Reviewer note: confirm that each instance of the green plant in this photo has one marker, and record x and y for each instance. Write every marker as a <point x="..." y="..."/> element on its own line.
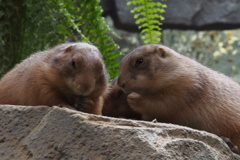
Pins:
<point x="10" y="33"/>
<point x="42" y="24"/>
<point x="95" y="28"/>
<point x="148" y="16"/>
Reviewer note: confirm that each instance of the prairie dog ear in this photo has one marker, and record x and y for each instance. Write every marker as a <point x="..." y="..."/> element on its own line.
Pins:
<point x="162" y="52"/>
<point x="69" y="49"/>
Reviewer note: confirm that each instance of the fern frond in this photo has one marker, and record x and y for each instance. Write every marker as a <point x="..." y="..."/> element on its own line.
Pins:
<point x="134" y="2"/>
<point x="148" y="16"/>
<point x="157" y="27"/>
<point x="94" y="27"/>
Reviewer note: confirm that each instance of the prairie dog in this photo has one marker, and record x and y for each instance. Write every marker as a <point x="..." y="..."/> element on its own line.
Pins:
<point x="116" y="105"/>
<point x="62" y="75"/>
<point x="173" y="88"/>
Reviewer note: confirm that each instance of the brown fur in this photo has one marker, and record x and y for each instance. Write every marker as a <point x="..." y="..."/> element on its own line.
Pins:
<point x="176" y="89"/>
<point x="65" y="74"/>
<point x="115" y="104"/>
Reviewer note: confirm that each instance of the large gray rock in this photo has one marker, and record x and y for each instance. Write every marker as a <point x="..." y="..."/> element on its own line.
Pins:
<point x="184" y="14"/>
<point x="42" y="133"/>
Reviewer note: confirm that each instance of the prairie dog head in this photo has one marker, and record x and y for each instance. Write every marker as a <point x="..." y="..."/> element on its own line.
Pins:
<point x="116" y="105"/>
<point x="79" y="66"/>
<point x="149" y="68"/>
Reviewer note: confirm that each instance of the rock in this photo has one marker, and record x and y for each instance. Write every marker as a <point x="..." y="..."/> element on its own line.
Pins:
<point x="184" y="14"/>
<point x="107" y="7"/>
<point x="59" y="133"/>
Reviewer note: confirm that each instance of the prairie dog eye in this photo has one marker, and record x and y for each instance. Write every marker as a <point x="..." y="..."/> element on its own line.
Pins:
<point x="73" y="63"/>
<point x="139" y="61"/>
<point x="119" y="93"/>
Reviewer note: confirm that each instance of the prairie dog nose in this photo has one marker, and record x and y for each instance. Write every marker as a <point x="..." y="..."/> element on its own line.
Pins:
<point x="120" y="82"/>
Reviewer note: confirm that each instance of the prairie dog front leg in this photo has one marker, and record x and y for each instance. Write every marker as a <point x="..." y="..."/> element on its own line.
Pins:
<point x="134" y="100"/>
<point x="89" y="105"/>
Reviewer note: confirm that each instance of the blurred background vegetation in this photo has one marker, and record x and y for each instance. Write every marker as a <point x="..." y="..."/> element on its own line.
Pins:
<point x="28" y="26"/>
<point x="219" y="50"/>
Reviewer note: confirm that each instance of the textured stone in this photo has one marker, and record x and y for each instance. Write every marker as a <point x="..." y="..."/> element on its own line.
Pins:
<point x="184" y="14"/>
<point x="59" y="133"/>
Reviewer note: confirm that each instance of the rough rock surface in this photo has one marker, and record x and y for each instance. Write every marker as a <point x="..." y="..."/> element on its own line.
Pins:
<point x="57" y="133"/>
<point x="184" y="14"/>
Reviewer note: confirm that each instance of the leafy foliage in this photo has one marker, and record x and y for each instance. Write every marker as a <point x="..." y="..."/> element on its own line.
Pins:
<point x="10" y="33"/>
<point x="95" y="28"/>
<point x="41" y="24"/>
<point x="148" y="17"/>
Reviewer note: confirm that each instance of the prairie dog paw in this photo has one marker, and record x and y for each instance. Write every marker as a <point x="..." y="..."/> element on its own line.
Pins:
<point x="83" y="104"/>
<point x="133" y="98"/>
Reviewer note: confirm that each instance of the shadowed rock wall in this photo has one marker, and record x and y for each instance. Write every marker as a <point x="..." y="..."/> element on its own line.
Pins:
<point x="184" y="14"/>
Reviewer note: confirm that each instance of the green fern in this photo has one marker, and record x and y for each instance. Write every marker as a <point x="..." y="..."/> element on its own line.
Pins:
<point x="95" y="28"/>
<point x="148" y="17"/>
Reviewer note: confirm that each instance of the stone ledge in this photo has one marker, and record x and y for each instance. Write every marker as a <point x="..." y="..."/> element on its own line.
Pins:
<point x="41" y="132"/>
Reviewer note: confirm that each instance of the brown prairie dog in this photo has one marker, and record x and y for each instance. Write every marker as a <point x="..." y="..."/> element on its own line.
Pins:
<point x="173" y="88"/>
<point x="67" y="74"/>
<point x="116" y="105"/>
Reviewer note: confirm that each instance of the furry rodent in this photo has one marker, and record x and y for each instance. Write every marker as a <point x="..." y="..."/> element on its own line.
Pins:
<point x="115" y="104"/>
<point x="173" y="88"/>
<point x="69" y="75"/>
